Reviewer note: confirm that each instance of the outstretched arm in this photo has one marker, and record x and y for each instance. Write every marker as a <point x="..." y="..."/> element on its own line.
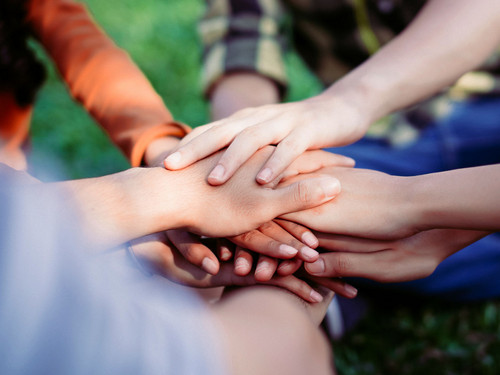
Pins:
<point x="140" y="201"/>
<point x="427" y="57"/>
<point x="376" y="205"/>
<point x="102" y="77"/>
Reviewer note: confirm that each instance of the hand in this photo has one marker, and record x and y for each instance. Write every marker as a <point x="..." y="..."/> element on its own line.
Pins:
<point x="295" y="127"/>
<point x="406" y="259"/>
<point x="158" y="254"/>
<point x="372" y="205"/>
<point x="274" y="240"/>
<point x="278" y="239"/>
<point x="241" y="205"/>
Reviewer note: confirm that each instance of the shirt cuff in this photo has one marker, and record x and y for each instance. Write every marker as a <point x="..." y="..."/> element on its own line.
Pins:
<point x="174" y="129"/>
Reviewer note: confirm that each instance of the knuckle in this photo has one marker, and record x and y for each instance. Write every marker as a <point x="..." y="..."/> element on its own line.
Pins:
<point x="266" y="227"/>
<point x="292" y="144"/>
<point x="247" y="237"/>
<point x="251" y="133"/>
<point x="191" y="253"/>
<point x="304" y="193"/>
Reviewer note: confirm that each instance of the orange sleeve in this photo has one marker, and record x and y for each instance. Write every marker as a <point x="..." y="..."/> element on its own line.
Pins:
<point x="102" y="77"/>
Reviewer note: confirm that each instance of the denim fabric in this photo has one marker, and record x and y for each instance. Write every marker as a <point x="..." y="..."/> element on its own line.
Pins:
<point x="469" y="136"/>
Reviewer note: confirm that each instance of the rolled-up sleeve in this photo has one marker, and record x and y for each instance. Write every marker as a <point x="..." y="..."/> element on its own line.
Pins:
<point x="243" y="35"/>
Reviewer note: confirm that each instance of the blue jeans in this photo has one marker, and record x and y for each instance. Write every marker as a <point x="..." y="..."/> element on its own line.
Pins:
<point x="469" y="136"/>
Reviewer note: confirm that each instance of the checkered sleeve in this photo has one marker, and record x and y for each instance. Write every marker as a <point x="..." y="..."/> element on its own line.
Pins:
<point x="243" y="35"/>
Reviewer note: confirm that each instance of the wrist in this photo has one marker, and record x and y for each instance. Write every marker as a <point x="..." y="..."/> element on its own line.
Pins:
<point x="423" y="209"/>
<point x="127" y="205"/>
<point x="365" y="91"/>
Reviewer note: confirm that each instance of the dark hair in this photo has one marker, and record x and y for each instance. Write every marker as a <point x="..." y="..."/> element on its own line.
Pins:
<point x="20" y="72"/>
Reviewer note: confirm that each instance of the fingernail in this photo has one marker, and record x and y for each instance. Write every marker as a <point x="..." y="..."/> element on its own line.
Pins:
<point x="241" y="264"/>
<point x="217" y="173"/>
<point x="351" y="160"/>
<point x="263" y="266"/>
<point x="225" y="254"/>
<point x="309" y="239"/>
<point x="288" y="250"/>
<point x="309" y="254"/>
<point x="315" y="296"/>
<point x="331" y="186"/>
<point x="283" y="266"/>
<point x="265" y="175"/>
<point x="350" y="290"/>
<point x="316" y="267"/>
<point x="209" y="265"/>
<point x="173" y="159"/>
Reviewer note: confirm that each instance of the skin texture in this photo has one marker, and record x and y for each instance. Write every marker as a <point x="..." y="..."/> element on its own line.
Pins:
<point x="390" y="228"/>
<point x="267" y="239"/>
<point x="380" y="206"/>
<point x="158" y="200"/>
<point x="158" y="254"/>
<point x="406" y="259"/>
<point x="397" y="76"/>
<point x="271" y="321"/>
<point x="259" y="327"/>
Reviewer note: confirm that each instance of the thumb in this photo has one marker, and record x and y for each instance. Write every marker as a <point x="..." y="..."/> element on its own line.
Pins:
<point x="306" y="193"/>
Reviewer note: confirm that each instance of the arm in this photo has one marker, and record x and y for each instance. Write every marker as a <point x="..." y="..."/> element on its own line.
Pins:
<point x="140" y="201"/>
<point x="102" y="77"/>
<point x="268" y="239"/>
<point x="428" y="56"/>
<point x="55" y="300"/>
<point x="377" y="205"/>
<point x="410" y="258"/>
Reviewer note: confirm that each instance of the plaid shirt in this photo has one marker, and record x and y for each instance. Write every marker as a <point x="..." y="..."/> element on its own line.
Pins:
<point x="332" y="37"/>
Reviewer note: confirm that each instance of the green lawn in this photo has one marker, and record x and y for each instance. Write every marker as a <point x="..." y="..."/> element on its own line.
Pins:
<point x="425" y="338"/>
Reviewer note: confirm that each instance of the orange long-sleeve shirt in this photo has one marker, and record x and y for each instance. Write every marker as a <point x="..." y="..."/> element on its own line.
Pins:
<point x="99" y="75"/>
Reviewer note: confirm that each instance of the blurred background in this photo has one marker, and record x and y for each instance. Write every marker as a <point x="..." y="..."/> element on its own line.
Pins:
<point x="396" y="336"/>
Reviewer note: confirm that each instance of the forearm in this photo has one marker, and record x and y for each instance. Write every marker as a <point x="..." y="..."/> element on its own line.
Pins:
<point x="102" y="76"/>
<point x="466" y="198"/>
<point x="241" y="90"/>
<point x="126" y="205"/>
<point x="447" y="39"/>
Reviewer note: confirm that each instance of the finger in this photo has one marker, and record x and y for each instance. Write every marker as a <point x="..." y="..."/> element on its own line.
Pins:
<point x="205" y="144"/>
<point x="263" y="244"/>
<point x="383" y="266"/>
<point x="243" y="262"/>
<point x="289" y="267"/>
<point x="266" y="267"/>
<point x="286" y="152"/>
<point x="224" y="249"/>
<point x="311" y="161"/>
<point x="305" y="194"/>
<point x="299" y="287"/>
<point x="193" y="134"/>
<point x="300" y="232"/>
<point x="242" y="147"/>
<point x="336" y="242"/>
<point x="337" y="286"/>
<point x="278" y="233"/>
<point x="190" y="246"/>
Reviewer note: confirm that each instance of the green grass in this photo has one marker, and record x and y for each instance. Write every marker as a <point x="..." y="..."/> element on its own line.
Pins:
<point x="428" y="338"/>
